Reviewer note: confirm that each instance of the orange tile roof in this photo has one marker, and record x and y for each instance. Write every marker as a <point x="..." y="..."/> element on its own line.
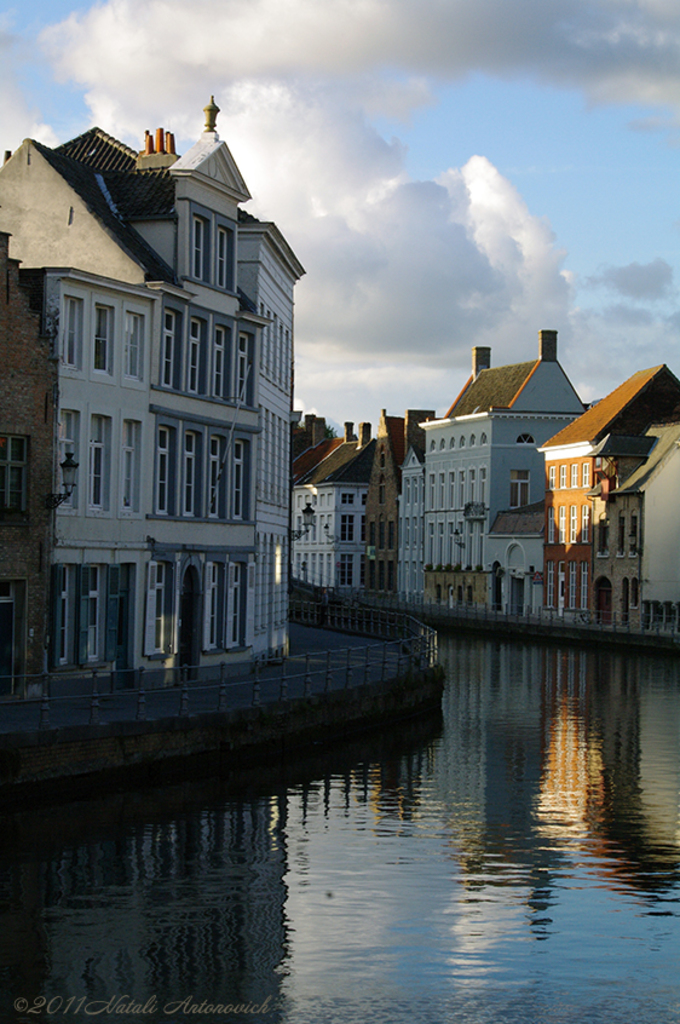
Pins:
<point x="595" y="422"/>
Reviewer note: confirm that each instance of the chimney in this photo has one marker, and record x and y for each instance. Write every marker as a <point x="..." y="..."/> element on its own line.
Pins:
<point x="414" y="435"/>
<point x="481" y="360"/>
<point x="547" y="346"/>
<point x="160" y="155"/>
<point x="8" y="155"/>
<point x="349" y="432"/>
<point x="318" y="426"/>
<point x="364" y="434"/>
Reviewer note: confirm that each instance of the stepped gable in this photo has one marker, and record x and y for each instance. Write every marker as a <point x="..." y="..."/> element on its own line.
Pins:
<point x="648" y="396"/>
<point x="494" y="388"/>
<point x="110" y="207"/>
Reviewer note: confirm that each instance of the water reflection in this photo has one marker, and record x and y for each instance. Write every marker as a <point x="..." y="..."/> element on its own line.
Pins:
<point x="517" y="861"/>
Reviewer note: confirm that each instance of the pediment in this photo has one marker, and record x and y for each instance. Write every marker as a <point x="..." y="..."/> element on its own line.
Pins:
<point x="211" y="159"/>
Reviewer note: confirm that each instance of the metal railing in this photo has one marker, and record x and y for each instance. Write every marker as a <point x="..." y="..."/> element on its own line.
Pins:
<point x="412" y="647"/>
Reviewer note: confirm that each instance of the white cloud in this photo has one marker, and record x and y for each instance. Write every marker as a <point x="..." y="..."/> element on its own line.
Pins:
<point x="647" y="282"/>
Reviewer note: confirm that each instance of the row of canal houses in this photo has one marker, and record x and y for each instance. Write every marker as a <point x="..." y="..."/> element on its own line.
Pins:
<point x="519" y="498"/>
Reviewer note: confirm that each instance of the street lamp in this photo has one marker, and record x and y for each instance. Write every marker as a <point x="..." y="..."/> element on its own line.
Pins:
<point x="69" y="468"/>
<point x="307" y="519"/>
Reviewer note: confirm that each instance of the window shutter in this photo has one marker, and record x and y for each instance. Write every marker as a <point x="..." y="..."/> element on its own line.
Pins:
<point x="231" y="581"/>
<point x="150" y="621"/>
<point x="207" y="578"/>
<point x="83" y="611"/>
<point x="250" y="606"/>
<point x="112" y="612"/>
<point x="58" y="573"/>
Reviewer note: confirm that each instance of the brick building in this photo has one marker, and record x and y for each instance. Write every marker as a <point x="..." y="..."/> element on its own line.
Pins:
<point x="27" y="464"/>
<point x="585" y="464"/>
<point x="396" y="435"/>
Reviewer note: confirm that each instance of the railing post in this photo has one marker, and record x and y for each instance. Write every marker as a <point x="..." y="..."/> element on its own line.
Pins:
<point x="348" y="670"/>
<point x="94" y="705"/>
<point x="141" y="697"/>
<point x="366" y="666"/>
<point x="45" y="703"/>
<point x="256" y="685"/>
<point x="184" y="699"/>
<point x="308" y="678"/>
<point x="329" y="675"/>
<point x="283" y="692"/>
<point x="222" y="704"/>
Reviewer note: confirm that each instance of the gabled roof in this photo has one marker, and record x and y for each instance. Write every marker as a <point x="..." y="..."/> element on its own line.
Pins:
<point x="347" y="463"/>
<point x="108" y="197"/>
<point x="646" y="396"/>
<point x="497" y="387"/>
<point x="102" y="152"/>
<point x="212" y="157"/>
<point x="311" y="457"/>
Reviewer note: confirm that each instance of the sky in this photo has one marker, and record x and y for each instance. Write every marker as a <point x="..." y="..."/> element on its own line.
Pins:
<point x="449" y="173"/>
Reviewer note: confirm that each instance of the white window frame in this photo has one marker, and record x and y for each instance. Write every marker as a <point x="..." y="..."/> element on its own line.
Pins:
<point x="134" y="345"/>
<point x="189" y="472"/>
<point x="102" y="339"/>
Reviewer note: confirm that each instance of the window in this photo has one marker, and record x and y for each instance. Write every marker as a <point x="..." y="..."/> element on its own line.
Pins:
<point x="621" y="536"/>
<point x="225" y="258"/>
<point x="194" y="356"/>
<point x="211" y="629"/>
<point x="584" y="584"/>
<point x="134" y="345"/>
<point x="574" y="475"/>
<point x="551" y="478"/>
<point x="102" y="351"/>
<point x="633" y="536"/>
<point x="68" y="443"/>
<point x="585" y="477"/>
<point x="562" y="524"/>
<point x="100" y="427"/>
<point x="634" y="593"/>
<point x="13" y="472"/>
<point x="238" y="484"/>
<point x="452" y="490"/>
<point x="381" y="534"/>
<point x="563" y="477"/>
<point x="158" y="627"/>
<point x="346" y="570"/>
<point x="525" y="439"/>
<point x="73" y="333"/>
<point x="199" y="248"/>
<point x="482" y="439"/>
<point x="236" y="595"/>
<point x="390" y="534"/>
<point x="585" y="524"/>
<point x="461" y="487"/>
<point x="482" y="484"/>
<point x="551" y="525"/>
<point x="572" y="584"/>
<point x="165" y="471"/>
<point x="216" y="476"/>
<point x="519" y="487"/>
<point x="131" y="465"/>
<point x="473" y="480"/>
<point x="346" y="527"/>
<point x="190" y="474"/>
<point x="573" y="524"/>
<point x="442" y="490"/>
<point x="550" y="585"/>
<point x="603" y="537"/>
<point x="169" y="344"/>
<point x="432" y="490"/>
<point x="473" y="440"/>
<point x="346" y="498"/>
<point x="244" y="361"/>
<point x="219" y="362"/>
<point x="461" y="443"/>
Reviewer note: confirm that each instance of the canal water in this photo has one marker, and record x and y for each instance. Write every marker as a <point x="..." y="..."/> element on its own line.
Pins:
<point x="517" y="860"/>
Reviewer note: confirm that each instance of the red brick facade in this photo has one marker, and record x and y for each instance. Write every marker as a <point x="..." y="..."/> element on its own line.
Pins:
<point x="27" y="387"/>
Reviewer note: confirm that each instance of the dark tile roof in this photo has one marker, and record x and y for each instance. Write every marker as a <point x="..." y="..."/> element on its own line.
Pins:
<point x="664" y="438"/>
<point x="345" y="464"/>
<point x="312" y="456"/>
<point x="94" y="148"/>
<point x="617" y="445"/>
<point x="108" y="197"/>
<point x="529" y="519"/>
<point x="493" y="388"/>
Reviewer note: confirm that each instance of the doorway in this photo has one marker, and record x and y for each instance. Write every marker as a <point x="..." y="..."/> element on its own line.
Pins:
<point x="189" y="619"/>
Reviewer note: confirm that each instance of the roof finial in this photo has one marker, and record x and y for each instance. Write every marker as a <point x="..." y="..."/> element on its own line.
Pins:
<point x="211" y="112"/>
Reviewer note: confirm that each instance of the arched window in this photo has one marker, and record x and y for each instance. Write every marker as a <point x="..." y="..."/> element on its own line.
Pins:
<point x="482" y="439"/>
<point x="382" y="458"/>
<point x="461" y="443"/>
<point x="433" y="446"/>
<point x="525" y="439"/>
<point x="442" y="445"/>
<point x="452" y="443"/>
<point x="473" y="440"/>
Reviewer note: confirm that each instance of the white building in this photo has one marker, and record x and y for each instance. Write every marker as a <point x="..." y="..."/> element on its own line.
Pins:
<point x="164" y="399"/>
<point x="482" y="457"/>
<point x="333" y="479"/>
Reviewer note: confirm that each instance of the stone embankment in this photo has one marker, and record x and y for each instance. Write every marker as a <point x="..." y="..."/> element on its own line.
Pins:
<point x="78" y="746"/>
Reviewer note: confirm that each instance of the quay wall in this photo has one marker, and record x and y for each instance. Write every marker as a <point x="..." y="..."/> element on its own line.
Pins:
<point x="79" y="760"/>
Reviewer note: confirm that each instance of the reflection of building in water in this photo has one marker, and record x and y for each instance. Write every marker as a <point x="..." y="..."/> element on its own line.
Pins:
<point x="189" y="907"/>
